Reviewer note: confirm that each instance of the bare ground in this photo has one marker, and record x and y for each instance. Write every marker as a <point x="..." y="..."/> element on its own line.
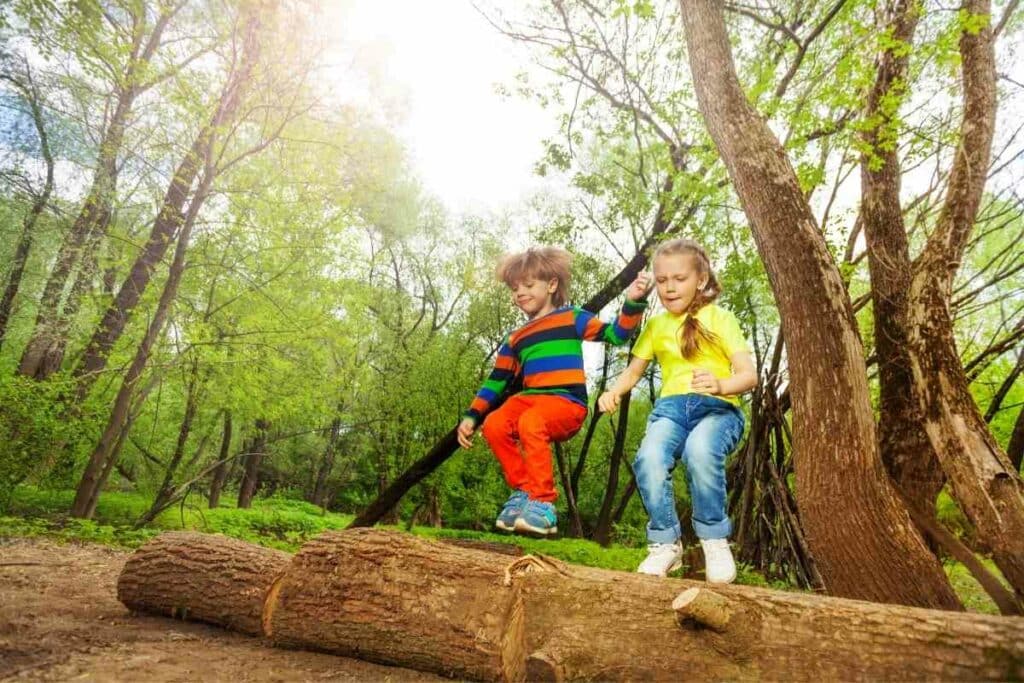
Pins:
<point x="60" y="620"/>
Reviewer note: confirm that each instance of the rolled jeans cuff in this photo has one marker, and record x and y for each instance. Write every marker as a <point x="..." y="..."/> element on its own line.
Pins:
<point x="709" y="531"/>
<point x="670" y="535"/>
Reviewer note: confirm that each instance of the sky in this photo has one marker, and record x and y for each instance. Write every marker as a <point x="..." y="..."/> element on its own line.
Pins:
<point x="470" y="146"/>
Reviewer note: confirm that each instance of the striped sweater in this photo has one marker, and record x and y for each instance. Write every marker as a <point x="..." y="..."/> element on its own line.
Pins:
<point x="548" y="351"/>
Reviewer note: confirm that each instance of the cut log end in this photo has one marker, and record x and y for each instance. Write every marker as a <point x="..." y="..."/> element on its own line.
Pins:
<point x="706" y="608"/>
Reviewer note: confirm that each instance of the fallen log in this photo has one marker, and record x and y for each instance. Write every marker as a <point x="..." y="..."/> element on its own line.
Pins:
<point x="398" y="599"/>
<point x="202" y="577"/>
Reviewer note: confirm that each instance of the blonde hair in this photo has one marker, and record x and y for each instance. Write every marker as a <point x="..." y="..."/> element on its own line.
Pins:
<point x="538" y="263"/>
<point x="692" y="331"/>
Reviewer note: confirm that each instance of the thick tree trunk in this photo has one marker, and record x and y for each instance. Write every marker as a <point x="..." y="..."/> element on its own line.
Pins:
<point x="250" y="475"/>
<point x="220" y="472"/>
<point x="394" y="598"/>
<point x="202" y="577"/>
<point x="904" y="444"/>
<point x="862" y="538"/>
<point x="983" y="480"/>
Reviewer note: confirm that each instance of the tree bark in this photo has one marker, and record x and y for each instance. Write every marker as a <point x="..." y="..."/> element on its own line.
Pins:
<point x="394" y="598"/>
<point x="904" y="444"/>
<point x="983" y="480"/>
<point x="862" y="538"/>
<point x="220" y="472"/>
<point x="201" y="577"/>
<point x="250" y="475"/>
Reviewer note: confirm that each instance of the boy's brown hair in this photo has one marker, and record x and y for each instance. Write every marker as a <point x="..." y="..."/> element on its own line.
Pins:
<point x="538" y="263"/>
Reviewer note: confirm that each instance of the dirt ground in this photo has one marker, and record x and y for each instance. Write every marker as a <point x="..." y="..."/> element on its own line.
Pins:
<point x="60" y="620"/>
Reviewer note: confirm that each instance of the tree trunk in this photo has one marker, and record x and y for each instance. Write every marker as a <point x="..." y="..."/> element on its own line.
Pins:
<point x="201" y="577"/>
<point x="904" y="444"/>
<point x="862" y="538"/>
<point x="220" y="472"/>
<point x="603" y="527"/>
<point x="394" y="598"/>
<point x="988" y="488"/>
<point x="250" y="475"/>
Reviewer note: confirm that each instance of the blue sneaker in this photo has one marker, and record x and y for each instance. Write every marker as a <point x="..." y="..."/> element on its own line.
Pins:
<point x="510" y="513"/>
<point x="538" y="519"/>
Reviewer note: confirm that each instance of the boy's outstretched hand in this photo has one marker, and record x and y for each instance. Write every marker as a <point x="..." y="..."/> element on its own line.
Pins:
<point x="465" y="432"/>
<point x="638" y="289"/>
<point x="608" y="402"/>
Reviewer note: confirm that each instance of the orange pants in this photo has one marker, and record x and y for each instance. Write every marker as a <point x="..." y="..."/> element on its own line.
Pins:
<point x="520" y="433"/>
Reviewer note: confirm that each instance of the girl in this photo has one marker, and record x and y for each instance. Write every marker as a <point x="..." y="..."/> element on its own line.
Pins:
<point x="705" y="364"/>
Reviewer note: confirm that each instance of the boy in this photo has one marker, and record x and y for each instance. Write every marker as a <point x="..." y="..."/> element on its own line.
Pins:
<point x="552" y="405"/>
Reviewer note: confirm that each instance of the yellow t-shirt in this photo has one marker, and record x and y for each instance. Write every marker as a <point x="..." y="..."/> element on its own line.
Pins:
<point x="661" y="339"/>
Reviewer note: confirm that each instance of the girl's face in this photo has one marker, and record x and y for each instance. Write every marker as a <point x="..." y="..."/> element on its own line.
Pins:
<point x="533" y="296"/>
<point x="678" y="280"/>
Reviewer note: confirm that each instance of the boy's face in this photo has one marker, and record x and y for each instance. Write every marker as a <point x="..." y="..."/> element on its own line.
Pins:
<point x="533" y="295"/>
<point x="678" y="280"/>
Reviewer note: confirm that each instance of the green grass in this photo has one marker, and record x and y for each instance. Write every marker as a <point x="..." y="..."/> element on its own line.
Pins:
<point x="974" y="597"/>
<point x="276" y="522"/>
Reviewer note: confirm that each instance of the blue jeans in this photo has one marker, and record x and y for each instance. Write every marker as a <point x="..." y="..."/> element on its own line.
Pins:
<point x="701" y="431"/>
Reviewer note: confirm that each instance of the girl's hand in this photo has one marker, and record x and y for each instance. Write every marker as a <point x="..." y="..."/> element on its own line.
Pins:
<point x="639" y="288"/>
<point x="465" y="432"/>
<point x="608" y="402"/>
<point x="704" y="382"/>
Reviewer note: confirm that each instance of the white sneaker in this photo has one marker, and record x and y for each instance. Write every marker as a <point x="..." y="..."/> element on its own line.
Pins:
<point x="719" y="566"/>
<point x="661" y="558"/>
